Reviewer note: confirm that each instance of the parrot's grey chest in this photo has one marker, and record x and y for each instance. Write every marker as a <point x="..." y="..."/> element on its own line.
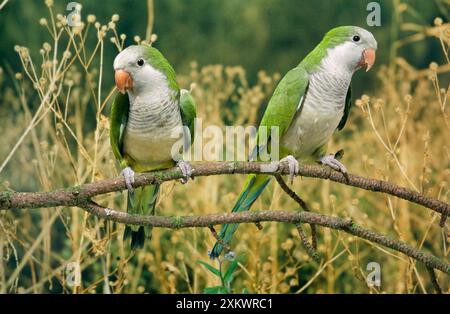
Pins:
<point x="152" y="130"/>
<point x="318" y="115"/>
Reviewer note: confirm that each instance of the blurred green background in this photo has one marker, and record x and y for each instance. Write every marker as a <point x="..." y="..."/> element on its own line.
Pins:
<point x="273" y="35"/>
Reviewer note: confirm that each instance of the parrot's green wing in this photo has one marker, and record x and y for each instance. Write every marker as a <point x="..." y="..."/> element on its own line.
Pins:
<point x="188" y="111"/>
<point x="118" y="121"/>
<point x="286" y="101"/>
<point x="282" y="107"/>
<point x="348" y="106"/>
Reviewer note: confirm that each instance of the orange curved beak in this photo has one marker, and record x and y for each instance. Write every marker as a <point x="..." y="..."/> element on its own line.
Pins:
<point x="123" y="81"/>
<point x="368" y="59"/>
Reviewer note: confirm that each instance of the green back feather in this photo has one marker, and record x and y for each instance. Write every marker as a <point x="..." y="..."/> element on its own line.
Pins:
<point x="284" y="102"/>
<point x="188" y="110"/>
<point x="118" y="121"/>
<point x="348" y="106"/>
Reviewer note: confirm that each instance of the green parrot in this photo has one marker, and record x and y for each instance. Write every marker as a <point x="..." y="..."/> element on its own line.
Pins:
<point x="148" y="118"/>
<point x="310" y="103"/>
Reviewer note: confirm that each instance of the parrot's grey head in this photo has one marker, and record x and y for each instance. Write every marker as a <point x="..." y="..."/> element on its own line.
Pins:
<point x="349" y="47"/>
<point x="142" y="68"/>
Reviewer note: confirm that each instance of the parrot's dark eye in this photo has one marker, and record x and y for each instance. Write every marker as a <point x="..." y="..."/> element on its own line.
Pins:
<point x="140" y="62"/>
<point x="356" y="38"/>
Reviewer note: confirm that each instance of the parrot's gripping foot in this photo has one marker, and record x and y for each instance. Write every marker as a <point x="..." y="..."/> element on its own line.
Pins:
<point x="128" y="174"/>
<point x="186" y="170"/>
<point x="293" y="166"/>
<point x="331" y="161"/>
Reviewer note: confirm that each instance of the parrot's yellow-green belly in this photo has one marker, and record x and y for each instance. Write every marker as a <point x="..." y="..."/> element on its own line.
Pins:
<point x="310" y="130"/>
<point x="145" y="152"/>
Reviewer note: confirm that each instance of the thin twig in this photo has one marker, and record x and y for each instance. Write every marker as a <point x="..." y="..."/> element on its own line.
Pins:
<point x="434" y="280"/>
<point x="3" y="4"/>
<point x="291" y="193"/>
<point x="305" y="207"/>
<point x="150" y="20"/>
<point x="308" y="246"/>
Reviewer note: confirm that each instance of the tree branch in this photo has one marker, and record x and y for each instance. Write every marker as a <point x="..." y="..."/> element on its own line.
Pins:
<point x="295" y="218"/>
<point x="81" y="196"/>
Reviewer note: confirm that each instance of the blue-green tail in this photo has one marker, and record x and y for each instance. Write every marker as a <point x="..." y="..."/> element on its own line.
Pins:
<point x="253" y="188"/>
<point x="141" y="201"/>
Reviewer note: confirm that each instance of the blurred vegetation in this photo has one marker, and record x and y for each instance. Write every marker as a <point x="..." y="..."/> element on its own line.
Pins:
<point x="234" y="52"/>
<point x="255" y="34"/>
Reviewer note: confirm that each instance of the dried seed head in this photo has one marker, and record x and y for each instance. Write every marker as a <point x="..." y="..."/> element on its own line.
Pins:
<point x="434" y="66"/>
<point x="100" y="34"/>
<point x="43" y="21"/>
<point x="359" y="103"/>
<point x="67" y="54"/>
<point x="77" y="30"/>
<point x="91" y="18"/>
<point x="379" y="104"/>
<point x="403" y="7"/>
<point x="24" y="53"/>
<point x="365" y="99"/>
<point x="438" y="21"/>
<point x="115" y="17"/>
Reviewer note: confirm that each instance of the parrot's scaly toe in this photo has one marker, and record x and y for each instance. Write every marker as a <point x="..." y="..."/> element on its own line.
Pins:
<point x="186" y="170"/>
<point x="293" y="166"/>
<point x="331" y="161"/>
<point x="128" y="174"/>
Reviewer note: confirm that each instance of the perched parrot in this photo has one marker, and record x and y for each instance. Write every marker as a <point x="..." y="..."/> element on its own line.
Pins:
<point x="143" y="122"/>
<point x="308" y="105"/>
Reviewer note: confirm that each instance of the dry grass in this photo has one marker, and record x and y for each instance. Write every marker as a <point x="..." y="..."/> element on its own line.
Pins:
<point x="55" y="133"/>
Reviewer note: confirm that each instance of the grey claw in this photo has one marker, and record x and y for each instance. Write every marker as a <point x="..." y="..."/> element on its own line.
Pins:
<point x="332" y="162"/>
<point x="128" y="174"/>
<point x="293" y="166"/>
<point x="186" y="170"/>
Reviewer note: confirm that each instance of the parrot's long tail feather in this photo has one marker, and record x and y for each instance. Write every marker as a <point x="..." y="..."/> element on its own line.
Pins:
<point x="253" y="188"/>
<point x="142" y="201"/>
